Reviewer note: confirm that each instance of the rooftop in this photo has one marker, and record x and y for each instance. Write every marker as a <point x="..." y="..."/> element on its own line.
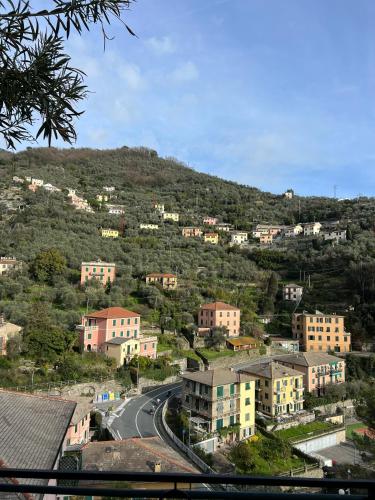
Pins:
<point x="160" y="275"/>
<point x="271" y="370"/>
<point x="98" y="263"/>
<point x="219" y="306"/>
<point x="309" y="358"/>
<point x="292" y="285"/>
<point x="219" y="376"/>
<point x="113" y="312"/>
<point x="119" y="340"/>
<point x="243" y="341"/>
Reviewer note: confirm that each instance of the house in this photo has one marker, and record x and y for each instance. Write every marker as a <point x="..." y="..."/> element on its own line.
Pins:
<point x="289" y="193"/>
<point x="124" y="349"/>
<point x="109" y="233"/>
<point x="266" y="239"/>
<point x="134" y="455"/>
<point x="148" y="226"/>
<point x="210" y="221"/>
<point x="78" y="202"/>
<point x="173" y="216"/>
<point x="191" y="232"/>
<point x="102" y="198"/>
<point x="321" y="332"/>
<point x="336" y="235"/>
<point x="319" y="369"/>
<point x="279" y="389"/>
<point x="292" y="292"/>
<point x="219" y="314"/>
<point x="104" y="272"/>
<point x="116" y="209"/>
<point x="79" y="429"/>
<point x="35" y="182"/>
<point x="159" y="207"/>
<point x="221" y="398"/>
<point x="8" y="264"/>
<point x="18" y="180"/>
<point x="33" y="431"/>
<point x="223" y="226"/>
<point x="288" y="344"/>
<point x="270" y="229"/>
<point x="292" y="231"/>
<point x="167" y="281"/>
<point x="238" y="237"/>
<point x="109" y="189"/>
<point x="311" y="228"/>
<point x="98" y="327"/>
<point x="212" y="238"/>
<point x="243" y="343"/>
<point x="7" y="331"/>
<point x="51" y="188"/>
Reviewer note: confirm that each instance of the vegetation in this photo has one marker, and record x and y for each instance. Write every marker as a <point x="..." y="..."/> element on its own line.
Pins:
<point x="305" y="430"/>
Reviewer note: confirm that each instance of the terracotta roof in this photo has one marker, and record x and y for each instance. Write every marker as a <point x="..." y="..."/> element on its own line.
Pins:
<point x="161" y="275"/>
<point x="309" y="359"/>
<point x="219" y="306"/>
<point x="271" y="370"/>
<point x="219" y="376"/>
<point x="243" y="341"/>
<point x="113" y="312"/>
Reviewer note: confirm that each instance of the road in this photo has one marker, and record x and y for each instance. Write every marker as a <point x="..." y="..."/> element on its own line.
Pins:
<point x="135" y="420"/>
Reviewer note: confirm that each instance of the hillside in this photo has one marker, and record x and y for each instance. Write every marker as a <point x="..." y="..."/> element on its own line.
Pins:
<point x="342" y="277"/>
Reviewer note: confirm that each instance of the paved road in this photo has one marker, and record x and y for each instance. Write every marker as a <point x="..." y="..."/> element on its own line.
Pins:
<point x="135" y="420"/>
<point x="344" y="453"/>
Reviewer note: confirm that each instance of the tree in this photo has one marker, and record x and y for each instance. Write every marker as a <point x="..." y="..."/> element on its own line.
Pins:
<point x="47" y="265"/>
<point x="365" y="406"/>
<point x="37" y="82"/>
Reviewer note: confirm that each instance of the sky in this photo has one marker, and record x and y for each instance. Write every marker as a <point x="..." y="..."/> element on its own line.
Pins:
<point x="275" y="94"/>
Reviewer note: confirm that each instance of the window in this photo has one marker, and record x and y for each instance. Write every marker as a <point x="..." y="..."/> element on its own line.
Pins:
<point x="94" y="269"/>
<point x="266" y="395"/>
<point x="89" y="336"/>
<point x="219" y="424"/>
<point x="247" y="401"/>
<point x="247" y="386"/>
<point x="128" y="321"/>
<point x="328" y="338"/>
<point x="153" y="346"/>
<point x="87" y="269"/>
<point x="266" y="383"/>
<point x="232" y="389"/>
<point x="135" y="334"/>
<point x="122" y="321"/>
<point x="101" y="270"/>
<point x="311" y="337"/>
<point x="220" y="391"/>
<point x="113" y="334"/>
<point x="114" y="322"/>
<point x="128" y="333"/>
<point x="121" y="334"/>
<point x="328" y="329"/>
<point x="319" y="337"/>
<point x="247" y="417"/>
<point x="75" y="428"/>
<point x="135" y="321"/>
<point x="337" y="339"/>
<point x="145" y="347"/>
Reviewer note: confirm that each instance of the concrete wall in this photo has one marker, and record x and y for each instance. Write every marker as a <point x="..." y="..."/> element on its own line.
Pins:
<point x="323" y="441"/>
<point x="331" y="408"/>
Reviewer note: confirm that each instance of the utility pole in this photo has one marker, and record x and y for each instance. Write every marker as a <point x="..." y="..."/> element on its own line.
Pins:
<point x="309" y="281"/>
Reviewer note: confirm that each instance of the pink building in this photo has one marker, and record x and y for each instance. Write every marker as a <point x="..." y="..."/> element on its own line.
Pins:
<point x="219" y="314"/>
<point x="319" y="369"/>
<point x="104" y="272"/>
<point x="210" y="221"/>
<point x="98" y="327"/>
<point x="148" y="347"/>
<point x="78" y="432"/>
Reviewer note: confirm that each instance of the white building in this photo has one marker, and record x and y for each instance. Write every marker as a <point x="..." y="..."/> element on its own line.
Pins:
<point x="7" y="264"/>
<point x="171" y="216"/>
<point x="116" y="209"/>
<point x="311" y="228"/>
<point x="238" y="237"/>
<point x="289" y="193"/>
<point x="336" y="235"/>
<point x="292" y="231"/>
<point x="292" y="292"/>
<point x="109" y="189"/>
<point x="51" y="188"/>
<point x="223" y="226"/>
<point x="18" y="180"/>
<point x="148" y="226"/>
<point x="159" y="207"/>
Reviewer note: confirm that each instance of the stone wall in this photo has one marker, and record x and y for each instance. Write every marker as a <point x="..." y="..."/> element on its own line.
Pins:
<point x="86" y="389"/>
<point x="229" y="361"/>
<point x="330" y="409"/>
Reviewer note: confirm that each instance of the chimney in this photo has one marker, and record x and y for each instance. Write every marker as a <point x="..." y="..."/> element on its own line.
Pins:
<point x="156" y="466"/>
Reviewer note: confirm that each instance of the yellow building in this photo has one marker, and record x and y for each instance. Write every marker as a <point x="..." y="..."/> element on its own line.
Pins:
<point x="171" y="216"/>
<point x="122" y="349"/>
<point x="221" y="398"/>
<point x="279" y="389"/>
<point x="212" y="238"/>
<point x="109" y="233"/>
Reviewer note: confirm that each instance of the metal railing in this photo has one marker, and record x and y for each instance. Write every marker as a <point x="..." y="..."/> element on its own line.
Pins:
<point x="179" y="485"/>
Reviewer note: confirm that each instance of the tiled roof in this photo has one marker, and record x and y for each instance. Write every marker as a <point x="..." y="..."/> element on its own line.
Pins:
<point x="243" y="341"/>
<point x="98" y="263"/>
<point x="293" y="285"/>
<point x="218" y="376"/>
<point x="160" y="275"/>
<point x="113" y="312"/>
<point x="118" y="340"/>
<point x="133" y="455"/>
<point x="32" y="429"/>
<point x="219" y="306"/>
<point x="271" y="370"/>
<point x="309" y="359"/>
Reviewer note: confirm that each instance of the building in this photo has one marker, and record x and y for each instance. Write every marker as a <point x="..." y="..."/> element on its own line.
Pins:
<point x="292" y="292"/>
<point x="173" y="216"/>
<point x="212" y="238"/>
<point x="79" y="429"/>
<point x="167" y="281"/>
<point x="266" y="239"/>
<point x="35" y="182"/>
<point x="219" y="314"/>
<point x="109" y="189"/>
<point x="191" y="232"/>
<point x="98" y="327"/>
<point x="33" y="433"/>
<point x="336" y="235"/>
<point x="287" y="344"/>
<point x="102" y="198"/>
<point x="319" y="369"/>
<point x="311" y="228"/>
<point x="279" y="389"/>
<point x="8" y="264"/>
<point x="109" y="233"/>
<point x="223" y="226"/>
<point x="243" y="344"/>
<point x="18" y="180"/>
<point x="51" y="188"/>
<point x="159" y="207"/>
<point x="238" y="237"/>
<point x="7" y="331"/>
<point x="104" y="272"/>
<point x="321" y="332"/>
<point x="210" y="221"/>
<point x="124" y="349"/>
<point x="116" y="209"/>
<point x="148" y="226"/>
<point x="292" y="231"/>
<point x="289" y="193"/>
<point x="78" y="202"/>
<point x="271" y="229"/>
<point x="220" y="398"/>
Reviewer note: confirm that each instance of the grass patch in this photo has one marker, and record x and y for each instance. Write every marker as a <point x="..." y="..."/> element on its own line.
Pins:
<point x="305" y="430"/>
<point x="210" y="355"/>
<point x="352" y="427"/>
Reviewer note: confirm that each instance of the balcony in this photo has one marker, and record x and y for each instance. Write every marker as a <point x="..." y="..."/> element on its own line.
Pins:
<point x="180" y="485"/>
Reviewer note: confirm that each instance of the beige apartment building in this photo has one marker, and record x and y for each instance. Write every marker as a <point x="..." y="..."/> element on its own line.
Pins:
<point x="219" y="314"/>
<point x="220" y="398"/>
<point x="321" y="332"/>
<point x="166" y="280"/>
<point x="191" y="232"/>
<point x="8" y="264"/>
<point x="212" y="238"/>
<point x="279" y="389"/>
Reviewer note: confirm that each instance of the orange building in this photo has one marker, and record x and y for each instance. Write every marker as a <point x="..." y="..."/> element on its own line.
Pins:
<point x="166" y="280"/>
<point x="104" y="272"/>
<point x="219" y="314"/>
<point x="321" y="332"/>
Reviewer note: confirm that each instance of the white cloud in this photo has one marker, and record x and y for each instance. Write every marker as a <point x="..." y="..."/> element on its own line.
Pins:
<point x="163" y="45"/>
<point x="185" y="72"/>
<point x="131" y="74"/>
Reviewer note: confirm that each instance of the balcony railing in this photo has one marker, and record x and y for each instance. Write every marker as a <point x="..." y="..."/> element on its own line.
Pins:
<point x="181" y="485"/>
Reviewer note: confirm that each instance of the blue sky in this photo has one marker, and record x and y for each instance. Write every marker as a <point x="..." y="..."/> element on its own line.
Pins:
<point x="269" y="93"/>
